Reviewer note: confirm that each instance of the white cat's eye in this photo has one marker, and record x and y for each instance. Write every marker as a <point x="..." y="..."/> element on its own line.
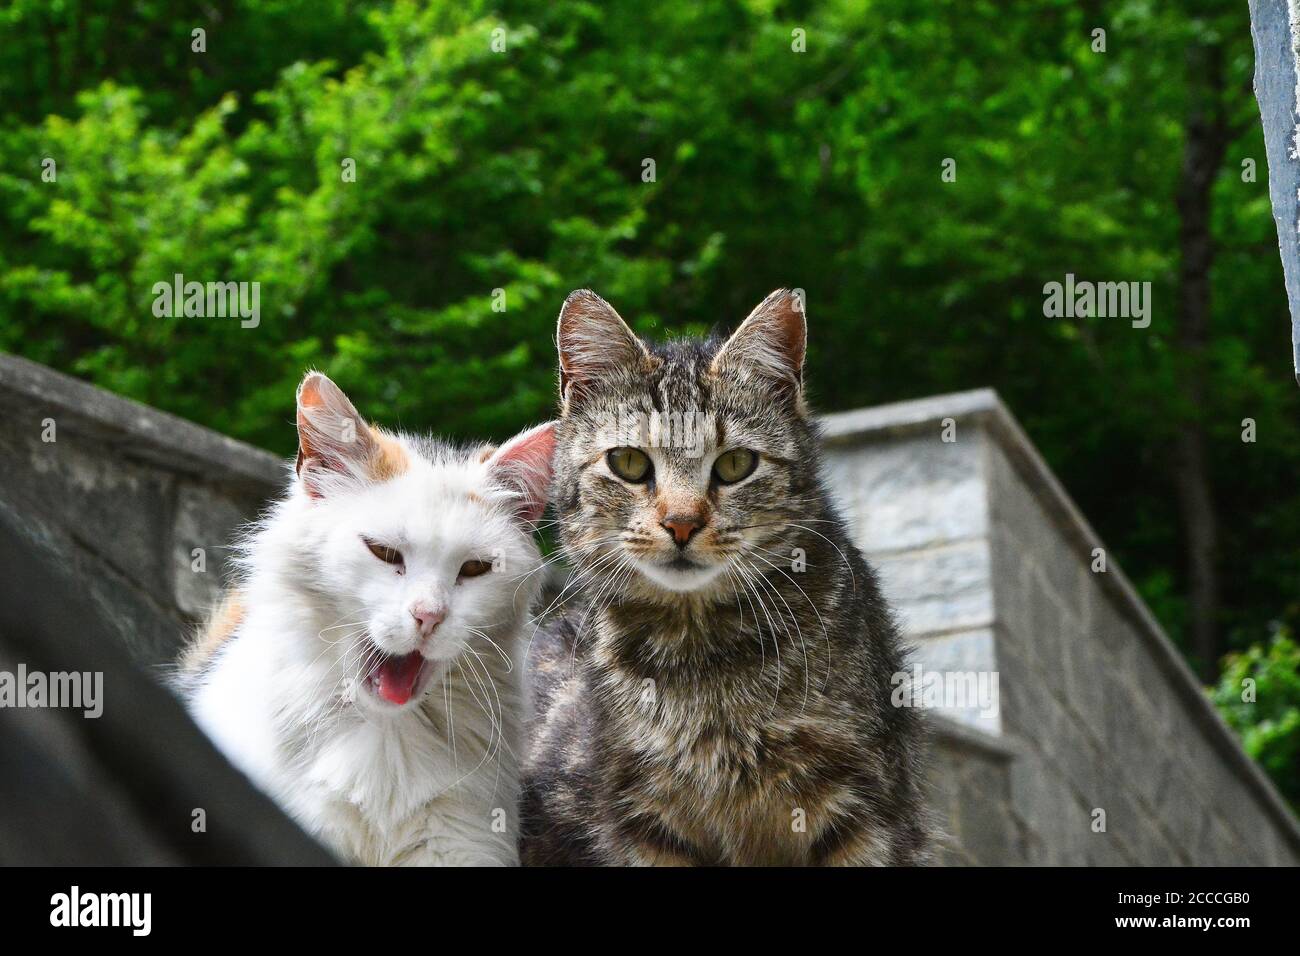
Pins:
<point x="735" y="465"/>
<point x="630" y="464"/>
<point x="473" y="569"/>
<point x="385" y="554"/>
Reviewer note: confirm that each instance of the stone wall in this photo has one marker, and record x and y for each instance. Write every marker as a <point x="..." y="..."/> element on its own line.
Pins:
<point x="124" y="495"/>
<point x="984" y="557"/>
<point x="1098" y="720"/>
<point x="102" y="503"/>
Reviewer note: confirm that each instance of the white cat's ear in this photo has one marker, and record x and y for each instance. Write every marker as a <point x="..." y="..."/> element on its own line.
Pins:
<point x="771" y="342"/>
<point x="593" y="341"/>
<point x="333" y="439"/>
<point x="523" y="466"/>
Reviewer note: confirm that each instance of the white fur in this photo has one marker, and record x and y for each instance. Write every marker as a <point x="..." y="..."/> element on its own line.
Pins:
<point x="434" y="781"/>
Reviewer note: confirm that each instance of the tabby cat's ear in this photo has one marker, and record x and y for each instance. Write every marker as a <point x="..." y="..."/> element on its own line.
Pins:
<point x="523" y="466"/>
<point x="770" y="343"/>
<point x="593" y="341"/>
<point x="333" y="439"/>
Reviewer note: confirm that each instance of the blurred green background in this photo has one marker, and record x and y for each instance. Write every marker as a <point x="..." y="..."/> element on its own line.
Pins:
<point x="502" y="146"/>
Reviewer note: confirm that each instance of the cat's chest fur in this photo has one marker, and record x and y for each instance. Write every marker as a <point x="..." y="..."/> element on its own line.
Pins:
<point x="723" y="752"/>
<point x="669" y="742"/>
<point x="378" y="792"/>
<point x="392" y="795"/>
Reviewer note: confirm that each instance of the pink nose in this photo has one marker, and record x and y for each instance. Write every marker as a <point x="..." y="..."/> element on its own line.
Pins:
<point x="681" y="527"/>
<point x="428" y="617"/>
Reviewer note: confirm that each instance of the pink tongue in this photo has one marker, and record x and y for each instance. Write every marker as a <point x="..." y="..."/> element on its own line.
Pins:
<point x="397" y="677"/>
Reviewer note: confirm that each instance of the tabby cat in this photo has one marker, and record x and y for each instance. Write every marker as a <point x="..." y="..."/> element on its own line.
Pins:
<point x="719" y="691"/>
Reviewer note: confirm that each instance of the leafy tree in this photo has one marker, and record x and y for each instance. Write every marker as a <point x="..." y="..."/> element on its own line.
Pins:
<point x="1258" y="695"/>
<point x="501" y="158"/>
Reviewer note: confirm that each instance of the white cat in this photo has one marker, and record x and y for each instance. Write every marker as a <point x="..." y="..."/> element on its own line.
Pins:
<point x="365" y="669"/>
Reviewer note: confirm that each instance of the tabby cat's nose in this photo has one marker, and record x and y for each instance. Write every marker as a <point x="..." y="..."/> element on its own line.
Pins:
<point x="681" y="527"/>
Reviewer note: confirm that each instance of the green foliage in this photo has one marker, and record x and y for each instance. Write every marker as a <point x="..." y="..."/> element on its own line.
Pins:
<point x="1259" y="696"/>
<point x="522" y="171"/>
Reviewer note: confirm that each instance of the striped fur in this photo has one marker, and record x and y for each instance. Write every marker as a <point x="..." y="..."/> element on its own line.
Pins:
<point x="736" y="712"/>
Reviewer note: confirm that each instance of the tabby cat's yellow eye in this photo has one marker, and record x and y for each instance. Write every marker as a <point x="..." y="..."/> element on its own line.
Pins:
<point x="472" y="569"/>
<point x="734" y="465"/>
<point x="630" y="464"/>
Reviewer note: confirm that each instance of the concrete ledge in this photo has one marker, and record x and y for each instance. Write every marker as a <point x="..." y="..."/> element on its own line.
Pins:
<point x="143" y="504"/>
<point x="141" y="432"/>
<point x="900" y="418"/>
<point x="999" y="748"/>
<point x="983" y="409"/>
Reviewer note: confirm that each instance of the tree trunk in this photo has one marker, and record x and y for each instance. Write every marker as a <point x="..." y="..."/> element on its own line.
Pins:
<point x="1203" y="155"/>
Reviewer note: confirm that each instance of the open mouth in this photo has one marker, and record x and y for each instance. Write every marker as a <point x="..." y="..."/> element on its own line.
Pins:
<point x="396" y="677"/>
